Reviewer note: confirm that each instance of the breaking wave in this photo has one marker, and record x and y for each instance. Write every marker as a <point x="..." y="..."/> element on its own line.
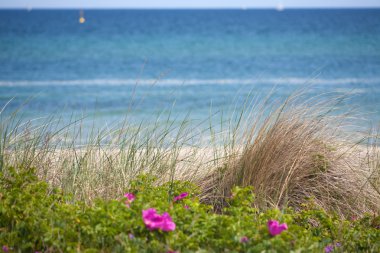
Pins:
<point x="173" y="82"/>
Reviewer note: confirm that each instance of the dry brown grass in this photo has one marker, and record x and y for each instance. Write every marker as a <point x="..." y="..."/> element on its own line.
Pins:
<point x="299" y="153"/>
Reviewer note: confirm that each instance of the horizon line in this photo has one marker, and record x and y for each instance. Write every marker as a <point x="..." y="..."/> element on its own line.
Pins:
<point x="191" y="8"/>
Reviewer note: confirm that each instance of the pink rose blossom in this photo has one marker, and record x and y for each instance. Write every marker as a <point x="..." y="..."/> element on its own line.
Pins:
<point x="130" y="198"/>
<point x="181" y="196"/>
<point x="154" y="221"/>
<point x="275" y="228"/>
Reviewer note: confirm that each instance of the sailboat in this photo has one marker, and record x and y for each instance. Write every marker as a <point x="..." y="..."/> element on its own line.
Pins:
<point x="81" y="17"/>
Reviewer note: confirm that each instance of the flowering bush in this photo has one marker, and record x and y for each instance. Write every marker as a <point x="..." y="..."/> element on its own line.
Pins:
<point x="36" y="218"/>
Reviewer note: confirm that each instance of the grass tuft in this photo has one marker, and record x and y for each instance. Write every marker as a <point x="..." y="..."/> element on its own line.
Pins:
<point x="300" y="152"/>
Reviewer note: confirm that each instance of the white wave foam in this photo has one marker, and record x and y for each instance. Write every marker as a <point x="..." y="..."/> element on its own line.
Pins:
<point x="273" y="81"/>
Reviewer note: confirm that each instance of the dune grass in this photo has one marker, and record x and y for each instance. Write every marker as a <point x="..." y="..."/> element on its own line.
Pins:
<point x="289" y="152"/>
<point x="302" y="151"/>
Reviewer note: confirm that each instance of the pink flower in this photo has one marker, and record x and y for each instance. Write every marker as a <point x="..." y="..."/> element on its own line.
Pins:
<point x="181" y="196"/>
<point x="186" y="207"/>
<point x="155" y="221"/>
<point x="244" y="239"/>
<point x="130" y="198"/>
<point x="275" y="228"/>
<point x="5" y="248"/>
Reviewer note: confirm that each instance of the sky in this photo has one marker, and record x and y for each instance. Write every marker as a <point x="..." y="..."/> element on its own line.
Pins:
<point x="187" y="3"/>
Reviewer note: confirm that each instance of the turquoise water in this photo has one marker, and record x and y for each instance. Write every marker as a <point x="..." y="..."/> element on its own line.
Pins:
<point x="195" y="59"/>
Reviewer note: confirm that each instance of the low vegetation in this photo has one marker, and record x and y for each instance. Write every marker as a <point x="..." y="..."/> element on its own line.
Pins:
<point x="270" y="178"/>
<point x="167" y="218"/>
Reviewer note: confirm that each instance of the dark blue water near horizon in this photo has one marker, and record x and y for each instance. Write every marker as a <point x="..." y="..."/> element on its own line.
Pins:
<point x="193" y="57"/>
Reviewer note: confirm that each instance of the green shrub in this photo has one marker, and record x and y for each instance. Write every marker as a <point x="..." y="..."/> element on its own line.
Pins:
<point x="34" y="217"/>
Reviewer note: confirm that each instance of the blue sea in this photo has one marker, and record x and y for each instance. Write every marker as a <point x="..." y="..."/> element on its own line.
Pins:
<point x="188" y="62"/>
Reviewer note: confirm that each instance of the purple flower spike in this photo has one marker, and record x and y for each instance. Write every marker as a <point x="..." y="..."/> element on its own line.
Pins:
<point x="154" y="221"/>
<point x="181" y="196"/>
<point x="275" y="228"/>
<point x="329" y="248"/>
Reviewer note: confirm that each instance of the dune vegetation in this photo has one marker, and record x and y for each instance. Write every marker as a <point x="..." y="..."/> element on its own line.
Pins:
<point x="290" y="176"/>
